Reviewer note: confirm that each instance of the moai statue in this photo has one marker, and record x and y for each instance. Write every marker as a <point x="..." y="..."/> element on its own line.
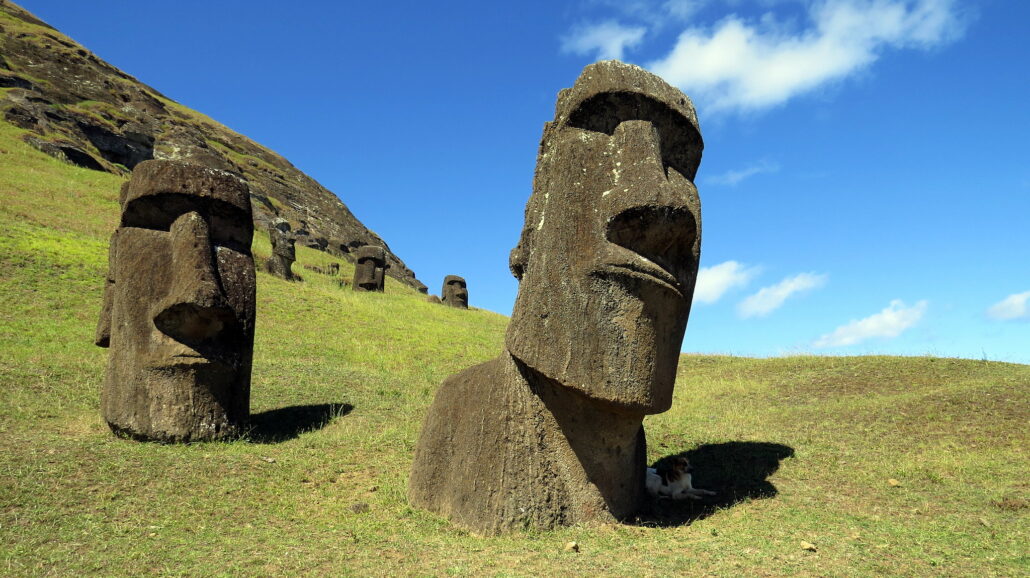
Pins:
<point x="284" y="251"/>
<point x="370" y="271"/>
<point x="550" y="433"/>
<point x="455" y="292"/>
<point x="178" y="311"/>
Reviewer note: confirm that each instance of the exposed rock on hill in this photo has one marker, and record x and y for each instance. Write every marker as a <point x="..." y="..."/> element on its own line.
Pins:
<point x="84" y="111"/>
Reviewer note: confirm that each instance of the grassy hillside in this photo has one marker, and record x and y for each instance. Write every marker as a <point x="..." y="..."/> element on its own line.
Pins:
<point x="902" y="466"/>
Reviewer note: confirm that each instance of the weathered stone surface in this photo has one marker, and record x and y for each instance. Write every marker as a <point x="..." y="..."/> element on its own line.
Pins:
<point x="178" y="311"/>
<point x="550" y="433"/>
<point x="370" y="269"/>
<point x="455" y="292"/>
<point x="284" y="253"/>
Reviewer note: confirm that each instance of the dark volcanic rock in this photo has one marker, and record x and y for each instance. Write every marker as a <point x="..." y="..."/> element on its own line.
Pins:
<point x="127" y="149"/>
<point x="96" y="116"/>
<point x="550" y="433"/>
<point x="66" y="152"/>
<point x="179" y="302"/>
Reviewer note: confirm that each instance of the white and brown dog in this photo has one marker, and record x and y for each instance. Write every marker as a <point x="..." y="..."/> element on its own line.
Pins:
<point x="673" y="480"/>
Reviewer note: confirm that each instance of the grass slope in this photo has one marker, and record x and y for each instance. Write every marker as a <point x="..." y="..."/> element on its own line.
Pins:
<point x="884" y="465"/>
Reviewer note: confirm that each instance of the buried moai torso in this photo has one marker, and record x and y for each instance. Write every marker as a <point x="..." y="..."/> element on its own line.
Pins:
<point x="550" y="433"/>
<point x="178" y="312"/>
<point x="455" y="292"/>
<point x="284" y="251"/>
<point x="370" y="270"/>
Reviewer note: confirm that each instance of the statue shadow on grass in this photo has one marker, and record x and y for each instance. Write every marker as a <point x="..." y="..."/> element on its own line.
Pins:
<point x="286" y="423"/>
<point x="736" y="471"/>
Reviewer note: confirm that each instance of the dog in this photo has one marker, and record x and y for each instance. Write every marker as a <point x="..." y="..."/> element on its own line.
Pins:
<point x="673" y="480"/>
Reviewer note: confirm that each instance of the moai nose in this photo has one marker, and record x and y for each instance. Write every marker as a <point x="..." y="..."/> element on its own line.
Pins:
<point x="638" y="158"/>
<point x="650" y="214"/>
<point x="195" y="308"/>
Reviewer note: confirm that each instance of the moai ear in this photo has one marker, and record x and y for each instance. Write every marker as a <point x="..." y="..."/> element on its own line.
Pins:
<point x="103" y="335"/>
<point x="517" y="261"/>
<point x="123" y="193"/>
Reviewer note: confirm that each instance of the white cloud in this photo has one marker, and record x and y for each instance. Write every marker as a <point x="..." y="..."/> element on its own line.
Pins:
<point x="733" y="177"/>
<point x="608" y="39"/>
<point x="744" y="65"/>
<point x="1011" y="307"/>
<point x="768" y="299"/>
<point x="714" y="281"/>
<point x="890" y="322"/>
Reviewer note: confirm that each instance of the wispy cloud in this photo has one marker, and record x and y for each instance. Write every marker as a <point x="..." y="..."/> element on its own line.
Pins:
<point x="753" y="63"/>
<point x="733" y="177"/>
<point x="769" y="299"/>
<point x="890" y="322"/>
<point x="1012" y="307"/>
<point x="683" y="9"/>
<point x="607" y="39"/>
<point x="713" y="282"/>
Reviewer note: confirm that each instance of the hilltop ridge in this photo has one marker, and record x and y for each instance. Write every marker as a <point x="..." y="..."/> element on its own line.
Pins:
<point x="84" y="111"/>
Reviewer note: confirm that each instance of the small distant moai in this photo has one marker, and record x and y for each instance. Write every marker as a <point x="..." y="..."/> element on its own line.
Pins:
<point x="284" y="251"/>
<point x="550" y="433"/>
<point x="370" y="270"/>
<point x="455" y="292"/>
<point x="178" y="310"/>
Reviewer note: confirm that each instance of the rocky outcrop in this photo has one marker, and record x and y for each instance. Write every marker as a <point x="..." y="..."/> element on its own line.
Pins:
<point x="84" y="111"/>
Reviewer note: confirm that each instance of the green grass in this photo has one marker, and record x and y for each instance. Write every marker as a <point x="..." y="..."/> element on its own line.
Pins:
<point x="801" y="449"/>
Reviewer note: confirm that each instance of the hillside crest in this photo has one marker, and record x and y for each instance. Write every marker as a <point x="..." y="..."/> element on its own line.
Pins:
<point x="84" y="111"/>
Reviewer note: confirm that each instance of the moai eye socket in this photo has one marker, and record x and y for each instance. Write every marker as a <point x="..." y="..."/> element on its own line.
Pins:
<point x="681" y="143"/>
<point x="228" y="225"/>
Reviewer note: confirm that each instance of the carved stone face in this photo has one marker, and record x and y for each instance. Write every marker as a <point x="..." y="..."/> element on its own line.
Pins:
<point x="610" y="248"/>
<point x="179" y="305"/>
<point x="283" y="243"/>
<point x="455" y="292"/>
<point x="370" y="270"/>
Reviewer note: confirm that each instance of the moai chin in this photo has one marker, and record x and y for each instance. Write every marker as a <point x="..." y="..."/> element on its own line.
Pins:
<point x="284" y="251"/>
<point x="370" y="270"/>
<point x="455" y="292"/>
<point x="550" y="433"/>
<point x="178" y="311"/>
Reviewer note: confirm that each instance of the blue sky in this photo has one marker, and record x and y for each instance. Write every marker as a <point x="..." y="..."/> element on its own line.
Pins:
<point x="866" y="177"/>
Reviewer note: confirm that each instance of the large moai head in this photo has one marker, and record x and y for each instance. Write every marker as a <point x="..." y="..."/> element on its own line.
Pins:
<point x="370" y="270"/>
<point x="284" y="251"/>
<point x="178" y="313"/>
<point x="455" y="292"/>
<point x="609" y="251"/>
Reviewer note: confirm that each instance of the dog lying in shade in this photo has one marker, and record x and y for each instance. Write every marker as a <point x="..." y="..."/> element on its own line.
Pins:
<point x="673" y="480"/>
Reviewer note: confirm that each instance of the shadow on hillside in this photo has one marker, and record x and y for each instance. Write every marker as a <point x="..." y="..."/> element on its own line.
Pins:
<point x="286" y="423"/>
<point x="736" y="471"/>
